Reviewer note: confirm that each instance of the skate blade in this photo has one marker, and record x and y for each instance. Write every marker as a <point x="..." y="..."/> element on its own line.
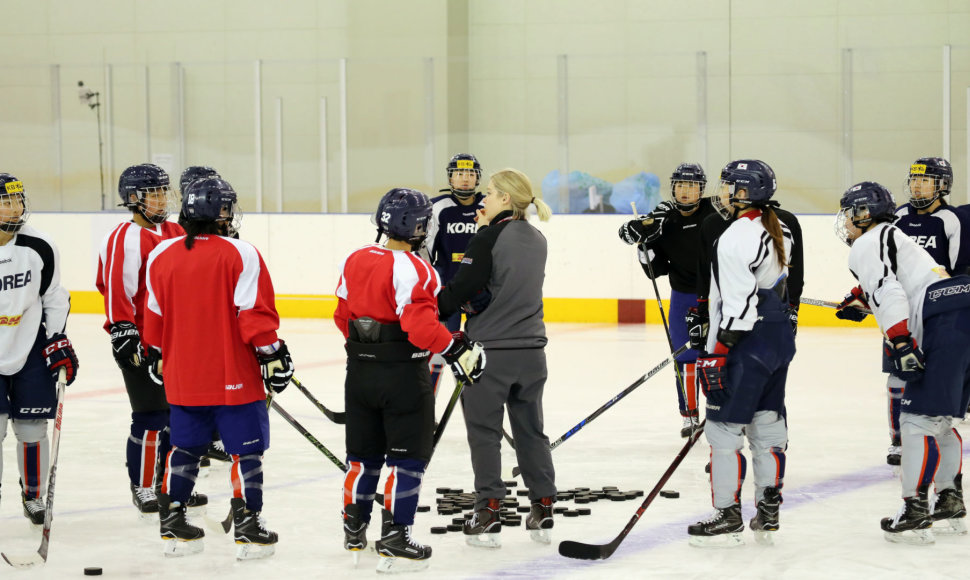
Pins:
<point x="541" y="536"/>
<point x="252" y="551"/>
<point x="764" y="537"/>
<point x="913" y="537"/>
<point x="950" y="527"/>
<point x="484" y="540"/>
<point x="179" y="548"/>
<point x="718" y="541"/>
<point x="392" y="565"/>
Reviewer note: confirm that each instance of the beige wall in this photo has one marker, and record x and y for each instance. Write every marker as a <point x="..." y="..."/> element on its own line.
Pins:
<point x="774" y="89"/>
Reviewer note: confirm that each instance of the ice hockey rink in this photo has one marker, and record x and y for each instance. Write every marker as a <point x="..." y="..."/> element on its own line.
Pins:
<point x="836" y="490"/>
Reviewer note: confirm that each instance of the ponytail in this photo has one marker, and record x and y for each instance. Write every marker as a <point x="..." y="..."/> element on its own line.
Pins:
<point x="199" y="228"/>
<point x="769" y="219"/>
<point x="517" y="185"/>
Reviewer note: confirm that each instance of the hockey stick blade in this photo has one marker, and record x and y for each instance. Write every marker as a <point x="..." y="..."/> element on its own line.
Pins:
<point x="582" y="551"/>
<point x="340" y="418"/>
<point x="218" y="526"/>
<point x="24" y="562"/>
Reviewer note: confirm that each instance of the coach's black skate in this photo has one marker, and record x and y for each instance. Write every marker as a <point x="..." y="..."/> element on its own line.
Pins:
<point x="181" y="537"/>
<point x="145" y="499"/>
<point x="690" y="424"/>
<point x="34" y="509"/>
<point x="894" y="455"/>
<point x="766" y="520"/>
<point x="355" y="531"/>
<point x="722" y="529"/>
<point x="252" y="538"/>
<point x="540" y="521"/>
<point x="197" y="500"/>
<point x="912" y="523"/>
<point x="217" y="451"/>
<point x="398" y="551"/>
<point x="950" y="510"/>
<point x="484" y="527"/>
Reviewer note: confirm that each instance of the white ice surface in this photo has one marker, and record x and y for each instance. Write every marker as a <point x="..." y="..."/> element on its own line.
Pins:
<point x="836" y="490"/>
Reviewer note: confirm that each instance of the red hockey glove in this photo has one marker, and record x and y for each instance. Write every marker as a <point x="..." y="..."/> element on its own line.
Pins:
<point x="59" y="354"/>
<point x="712" y="374"/>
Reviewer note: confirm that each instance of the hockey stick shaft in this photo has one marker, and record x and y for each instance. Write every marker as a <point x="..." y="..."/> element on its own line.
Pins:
<point x="443" y="422"/>
<point x="339" y="418"/>
<point x="673" y="356"/>
<point x="828" y="304"/>
<point x="51" y="477"/>
<point x="309" y="436"/>
<point x="583" y="551"/>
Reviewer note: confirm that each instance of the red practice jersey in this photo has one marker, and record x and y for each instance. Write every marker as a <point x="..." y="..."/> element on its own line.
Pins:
<point x="121" y="269"/>
<point x="392" y="286"/>
<point x="208" y="309"/>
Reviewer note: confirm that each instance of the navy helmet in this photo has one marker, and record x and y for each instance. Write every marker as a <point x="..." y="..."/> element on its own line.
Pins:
<point x="193" y="173"/>
<point x="403" y="214"/>
<point x="687" y="173"/>
<point x="464" y="162"/>
<point x="209" y="199"/>
<point x="936" y="168"/>
<point x="12" y="194"/>
<point x="864" y="204"/>
<point x="141" y="180"/>
<point x="753" y="176"/>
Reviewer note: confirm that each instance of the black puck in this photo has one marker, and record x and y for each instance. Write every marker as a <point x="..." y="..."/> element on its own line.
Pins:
<point x="616" y="497"/>
<point x="511" y="483"/>
<point x="512" y="522"/>
<point x="571" y="513"/>
<point x="559" y="510"/>
<point x="439" y="530"/>
<point x="92" y="571"/>
<point x="582" y="499"/>
<point x="584" y="511"/>
<point x="522" y="492"/>
<point x="458" y="521"/>
<point x="523" y="509"/>
<point x="454" y="527"/>
<point x="442" y="490"/>
<point x="637" y="492"/>
<point x="610" y="488"/>
<point x="669" y="493"/>
<point x="424" y="508"/>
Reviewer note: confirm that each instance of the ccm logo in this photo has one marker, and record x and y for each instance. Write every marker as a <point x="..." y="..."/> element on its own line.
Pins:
<point x="234" y="387"/>
<point x="707" y="363"/>
<point x="34" y="410"/>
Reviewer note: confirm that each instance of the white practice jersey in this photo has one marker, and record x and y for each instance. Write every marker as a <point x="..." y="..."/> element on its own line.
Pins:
<point x="744" y="262"/>
<point x="30" y="291"/>
<point x="894" y="272"/>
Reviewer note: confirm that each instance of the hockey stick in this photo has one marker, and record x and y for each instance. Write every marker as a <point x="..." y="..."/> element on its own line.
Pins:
<point x="673" y="356"/>
<point x="828" y="304"/>
<point x="339" y="418"/>
<point x="41" y="556"/>
<point x="309" y="436"/>
<point x="581" y="551"/>
<point x="443" y="422"/>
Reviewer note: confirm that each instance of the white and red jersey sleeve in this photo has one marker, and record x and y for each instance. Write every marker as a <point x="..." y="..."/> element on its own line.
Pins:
<point x="392" y="286"/>
<point x="121" y="269"/>
<point x="207" y="308"/>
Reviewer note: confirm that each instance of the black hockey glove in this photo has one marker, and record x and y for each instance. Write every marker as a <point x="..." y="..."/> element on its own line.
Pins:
<point x="792" y="313"/>
<point x="467" y="360"/>
<point x="712" y="374"/>
<point x="698" y="322"/>
<point x="125" y="344"/>
<point x="907" y="358"/>
<point x="277" y="367"/>
<point x="478" y="303"/>
<point x="646" y="229"/>
<point x="849" y="308"/>
<point x="153" y="364"/>
<point x="59" y="354"/>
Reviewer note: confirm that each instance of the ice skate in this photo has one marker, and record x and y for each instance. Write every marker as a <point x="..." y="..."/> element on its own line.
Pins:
<point x="912" y="523"/>
<point x="34" y="509"/>
<point x="894" y="453"/>
<point x="540" y="521"/>
<point x="722" y="530"/>
<point x="399" y="552"/>
<point x="217" y="452"/>
<point x="484" y="527"/>
<point x="253" y="540"/>
<point x="145" y="500"/>
<point x="949" y="511"/>
<point x="689" y="425"/>
<point x="355" y="532"/>
<point x="765" y="522"/>
<point x="180" y="537"/>
<point x="197" y="502"/>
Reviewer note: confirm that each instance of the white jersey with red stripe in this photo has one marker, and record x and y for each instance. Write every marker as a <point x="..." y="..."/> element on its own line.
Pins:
<point x="894" y="272"/>
<point x="30" y="291"/>
<point x="392" y="286"/>
<point x="121" y="269"/>
<point x="208" y="308"/>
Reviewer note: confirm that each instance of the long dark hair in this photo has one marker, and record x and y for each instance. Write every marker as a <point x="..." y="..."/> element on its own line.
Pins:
<point x="769" y="219"/>
<point x="199" y="228"/>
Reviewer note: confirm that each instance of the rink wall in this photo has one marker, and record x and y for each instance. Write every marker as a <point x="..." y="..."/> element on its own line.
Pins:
<point x="591" y="276"/>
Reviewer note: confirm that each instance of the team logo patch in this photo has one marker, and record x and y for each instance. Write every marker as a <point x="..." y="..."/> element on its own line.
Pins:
<point x="10" y="320"/>
<point x="457" y="257"/>
<point x="917" y="169"/>
<point x="15" y="187"/>
<point x="466" y="260"/>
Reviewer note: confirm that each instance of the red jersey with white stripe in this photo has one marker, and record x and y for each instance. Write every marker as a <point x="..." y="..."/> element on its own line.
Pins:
<point x="392" y="286"/>
<point x="121" y="269"/>
<point x="208" y="308"/>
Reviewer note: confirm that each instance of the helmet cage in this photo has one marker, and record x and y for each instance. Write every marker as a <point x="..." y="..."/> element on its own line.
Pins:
<point x="12" y="195"/>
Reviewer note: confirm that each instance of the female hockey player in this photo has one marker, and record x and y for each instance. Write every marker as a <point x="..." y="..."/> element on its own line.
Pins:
<point x="750" y="345"/>
<point x="387" y="312"/>
<point x="934" y="225"/>
<point x="924" y="315"/>
<point x="506" y="262"/>
<point x="451" y="226"/>
<point x="33" y="347"/>
<point x="669" y="237"/>
<point x="145" y="191"/>
<point x="211" y="315"/>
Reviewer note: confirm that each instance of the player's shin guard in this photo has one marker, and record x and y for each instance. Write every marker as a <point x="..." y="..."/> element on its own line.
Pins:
<point x="894" y="387"/>
<point x="146" y="446"/>
<point x="33" y="455"/>
<point x="921" y="459"/>
<point x="402" y="488"/>
<point x="181" y="471"/>
<point x="360" y="484"/>
<point x="247" y="480"/>
<point x="728" y="464"/>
